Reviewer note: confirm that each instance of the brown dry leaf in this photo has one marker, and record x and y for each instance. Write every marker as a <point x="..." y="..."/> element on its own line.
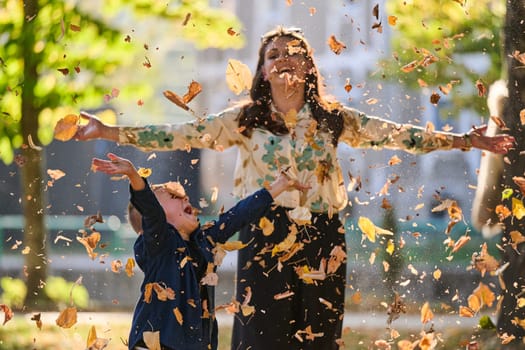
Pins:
<point x="460" y="243"/>
<point x="8" y="313"/>
<point x="335" y="45"/>
<point x="37" y="319"/>
<point x="465" y="311"/>
<point x="95" y="343"/>
<point x="485" y="294"/>
<point x="520" y="181"/>
<point x="55" y="174"/>
<point x="67" y="318"/>
<point x="394" y="160"/>
<point x="499" y="122"/>
<point x="434" y="98"/>
<point x="130" y="264"/>
<point x="502" y="211"/>
<point x="519" y="56"/>
<point x="66" y="127"/>
<point x="238" y="76"/>
<point x="482" y="90"/>
<point x="90" y="242"/>
<point x="173" y="97"/>
<point x="506" y="338"/>
<point x="148" y="292"/>
<point x="426" y="313"/>
<point x="409" y="67"/>
<point x="484" y="262"/>
<point x="232" y="245"/>
<point x="395" y="309"/>
<point x="337" y="257"/>
<point x="163" y="293"/>
<point x="522" y="117"/>
<point x="178" y="315"/>
<point x="92" y="220"/>
<point x="116" y="266"/>
<point x="348" y="86"/>
<point x="152" y="340"/>
<point x="474" y="303"/>
<point x="193" y="90"/>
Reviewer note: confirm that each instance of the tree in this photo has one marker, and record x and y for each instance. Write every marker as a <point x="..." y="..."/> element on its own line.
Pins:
<point x="440" y="44"/>
<point x="511" y="317"/>
<point x="56" y="56"/>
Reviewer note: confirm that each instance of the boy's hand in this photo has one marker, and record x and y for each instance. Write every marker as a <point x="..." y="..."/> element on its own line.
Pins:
<point x="121" y="166"/>
<point x="284" y="182"/>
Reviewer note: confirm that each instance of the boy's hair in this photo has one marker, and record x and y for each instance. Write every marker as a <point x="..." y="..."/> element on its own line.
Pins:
<point x="134" y="218"/>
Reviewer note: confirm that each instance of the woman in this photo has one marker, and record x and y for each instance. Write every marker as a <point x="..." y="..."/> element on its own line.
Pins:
<point x="294" y="274"/>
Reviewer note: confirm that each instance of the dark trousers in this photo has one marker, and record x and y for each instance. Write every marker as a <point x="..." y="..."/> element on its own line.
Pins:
<point x="312" y="317"/>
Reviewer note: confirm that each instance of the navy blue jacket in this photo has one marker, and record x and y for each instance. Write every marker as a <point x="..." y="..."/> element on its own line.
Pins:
<point x="159" y="252"/>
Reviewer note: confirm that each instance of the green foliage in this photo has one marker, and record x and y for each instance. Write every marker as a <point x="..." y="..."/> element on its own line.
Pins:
<point x="60" y="291"/>
<point x="13" y="292"/>
<point x="79" y="48"/>
<point x="64" y="292"/>
<point x="455" y="32"/>
<point x="486" y="323"/>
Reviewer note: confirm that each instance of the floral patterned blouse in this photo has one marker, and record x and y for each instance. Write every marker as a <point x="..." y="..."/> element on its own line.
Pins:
<point x="307" y="152"/>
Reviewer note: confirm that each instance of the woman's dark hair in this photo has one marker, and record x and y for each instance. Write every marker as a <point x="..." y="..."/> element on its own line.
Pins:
<point x="257" y="113"/>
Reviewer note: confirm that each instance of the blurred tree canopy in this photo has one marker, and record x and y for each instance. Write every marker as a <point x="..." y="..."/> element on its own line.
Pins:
<point x="449" y="46"/>
<point x="59" y="56"/>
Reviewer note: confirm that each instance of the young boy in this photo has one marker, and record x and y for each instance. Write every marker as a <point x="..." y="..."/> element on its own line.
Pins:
<point x="174" y="253"/>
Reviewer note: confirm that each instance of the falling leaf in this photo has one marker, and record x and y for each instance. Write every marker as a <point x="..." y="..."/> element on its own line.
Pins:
<point x="8" y="313"/>
<point x="232" y="245"/>
<point x="66" y="127"/>
<point x="301" y="215"/>
<point x="426" y="313"/>
<point x="436" y="274"/>
<point x="116" y="266"/>
<point x="130" y="264"/>
<point x="335" y="45"/>
<point x="266" y="226"/>
<point x="392" y="20"/>
<point x="485" y="294"/>
<point x="516" y="238"/>
<point x="173" y="97"/>
<point x="395" y="309"/>
<point x="370" y="230"/>
<point x="375" y="11"/>
<point x="55" y="174"/>
<point x="337" y="257"/>
<point x="520" y="181"/>
<point x="38" y="320"/>
<point x="178" y="315"/>
<point x="409" y="67"/>
<point x="390" y="247"/>
<point x="499" y="122"/>
<point x="483" y="261"/>
<point x="506" y="193"/>
<point x="95" y="343"/>
<point x="460" y="243"/>
<point x="152" y="340"/>
<point x="522" y="117"/>
<point x="144" y="172"/>
<point x="92" y="220"/>
<point x="434" y="98"/>
<point x="238" y="76"/>
<point x="90" y="242"/>
<point x="67" y="318"/>
<point x="518" y="210"/>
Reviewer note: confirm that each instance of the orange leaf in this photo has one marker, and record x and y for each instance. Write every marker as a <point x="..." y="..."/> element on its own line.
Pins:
<point x="336" y="46"/>
<point x="426" y="313"/>
<point x="66" y="127"/>
<point x="67" y="318"/>
<point x="193" y="90"/>
<point x="178" y="315"/>
<point x="173" y="97"/>
<point x="8" y="313"/>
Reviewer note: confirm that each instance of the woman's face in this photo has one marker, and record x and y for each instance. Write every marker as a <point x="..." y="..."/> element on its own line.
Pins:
<point x="285" y="62"/>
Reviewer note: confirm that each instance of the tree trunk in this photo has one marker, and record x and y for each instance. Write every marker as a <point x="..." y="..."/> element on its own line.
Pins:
<point x="32" y="173"/>
<point x="513" y="277"/>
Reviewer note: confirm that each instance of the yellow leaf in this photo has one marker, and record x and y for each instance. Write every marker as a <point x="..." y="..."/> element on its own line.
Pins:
<point x="232" y="245"/>
<point x="266" y="226"/>
<point x="238" y="76"/>
<point x="92" y="336"/>
<point x="518" y="210"/>
<point x="368" y="228"/>
<point x="152" y="340"/>
<point x="144" y="172"/>
<point x="130" y="264"/>
<point x="426" y="313"/>
<point x="437" y="274"/>
<point x="474" y="302"/>
<point x="390" y="247"/>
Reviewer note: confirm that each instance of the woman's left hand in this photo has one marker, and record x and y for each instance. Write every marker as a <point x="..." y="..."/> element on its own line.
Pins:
<point x="499" y="144"/>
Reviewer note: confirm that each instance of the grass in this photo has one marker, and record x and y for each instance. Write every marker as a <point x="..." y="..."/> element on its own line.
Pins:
<point x="21" y="333"/>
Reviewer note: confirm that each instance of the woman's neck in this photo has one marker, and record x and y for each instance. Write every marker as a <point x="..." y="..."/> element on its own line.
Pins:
<point x="287" y="99"/>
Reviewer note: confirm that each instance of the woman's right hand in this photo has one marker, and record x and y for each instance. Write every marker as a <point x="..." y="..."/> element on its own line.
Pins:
<point x="95" y="129"/>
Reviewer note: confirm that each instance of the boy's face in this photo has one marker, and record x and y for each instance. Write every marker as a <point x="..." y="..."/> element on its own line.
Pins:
<point x="179" y="212"/>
